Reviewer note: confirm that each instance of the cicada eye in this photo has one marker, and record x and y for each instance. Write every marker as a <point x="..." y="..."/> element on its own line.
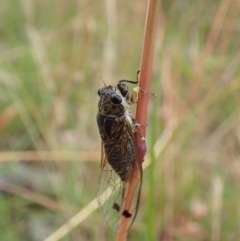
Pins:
<point x="123" y="89"/>
<point x="99" y="92"/>
<point x="116" y="99"/>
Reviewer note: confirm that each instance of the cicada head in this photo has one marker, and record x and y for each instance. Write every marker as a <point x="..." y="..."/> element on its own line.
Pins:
<point x="110" y="103"/>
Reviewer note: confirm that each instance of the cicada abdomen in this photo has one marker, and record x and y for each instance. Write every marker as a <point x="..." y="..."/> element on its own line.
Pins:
<point x="120" y="166"/>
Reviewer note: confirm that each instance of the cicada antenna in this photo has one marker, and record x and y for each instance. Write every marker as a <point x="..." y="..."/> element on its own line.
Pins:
<point x="103" y="82"/>
<point x="102" y="79"/>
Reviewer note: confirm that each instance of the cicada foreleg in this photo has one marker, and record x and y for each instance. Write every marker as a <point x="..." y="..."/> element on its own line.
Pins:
<point x="135" y="93"/>
<point x="136" y="126"/>
<point x="137" y="89"/>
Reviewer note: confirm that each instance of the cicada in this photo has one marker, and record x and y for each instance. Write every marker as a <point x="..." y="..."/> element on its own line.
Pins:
<point x="121" y="171"/>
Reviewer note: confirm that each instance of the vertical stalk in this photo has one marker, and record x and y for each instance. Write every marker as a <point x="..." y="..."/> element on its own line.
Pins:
<point x="146" y="72"/>
<point x="142" y="106"/>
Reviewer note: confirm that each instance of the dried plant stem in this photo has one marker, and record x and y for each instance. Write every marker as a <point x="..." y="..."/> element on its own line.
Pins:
<point x="217" y="185"/>
<point x="142" y="106"/>
<point x="73" y="222"/>
<point x="170" y="115"/>
<point x="146" y="72"/>
<point x="209" y="47"/>
<point x="9" y="156"/>
<point x="35" y="197"/>
<point x="128" y="199"/>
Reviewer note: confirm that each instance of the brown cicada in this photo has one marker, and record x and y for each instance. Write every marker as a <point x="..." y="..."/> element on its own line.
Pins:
<point x="121" y="170"/>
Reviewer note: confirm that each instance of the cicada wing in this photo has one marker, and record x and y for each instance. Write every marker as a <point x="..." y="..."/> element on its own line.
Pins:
<point x="132" y="188"/>
<point x="110" y="191"/>
<point x="113" y="193"/>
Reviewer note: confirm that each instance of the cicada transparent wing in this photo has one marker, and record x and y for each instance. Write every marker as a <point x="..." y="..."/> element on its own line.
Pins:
<point x="119" y="189"/>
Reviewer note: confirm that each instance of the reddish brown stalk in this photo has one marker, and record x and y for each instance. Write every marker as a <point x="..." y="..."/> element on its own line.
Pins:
<point x="128" y="199"/>
<point x="146" y="73"/>
<point x="142" y="107"/>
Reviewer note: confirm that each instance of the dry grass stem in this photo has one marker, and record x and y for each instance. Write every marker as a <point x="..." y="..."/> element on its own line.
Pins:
<point x="73" y="222"/>
<point x="170" y="122"/>
<point x="142" y="106"/>
<point x="217" y="192"/>
<point x="146" y="72"/>
<point x="131" y="185"/>
<point x="40" y="199"/>
<point x="215" y="31"/>
<point x="6" y="156"/>
<point x="210" y="44"/>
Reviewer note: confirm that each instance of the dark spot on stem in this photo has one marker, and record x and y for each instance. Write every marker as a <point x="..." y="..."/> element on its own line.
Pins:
<point x="126" y="214"/>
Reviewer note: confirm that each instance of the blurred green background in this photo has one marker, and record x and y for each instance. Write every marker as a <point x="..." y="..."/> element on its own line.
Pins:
<point x="53" y="55"/>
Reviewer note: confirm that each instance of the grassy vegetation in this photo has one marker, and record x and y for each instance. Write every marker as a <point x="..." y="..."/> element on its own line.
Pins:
<point x="53" y="56"/>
